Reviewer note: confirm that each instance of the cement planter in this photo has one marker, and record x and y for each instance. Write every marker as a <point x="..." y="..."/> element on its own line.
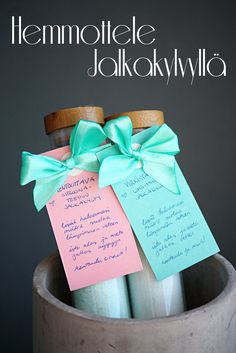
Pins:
<point x="209" y="325"/>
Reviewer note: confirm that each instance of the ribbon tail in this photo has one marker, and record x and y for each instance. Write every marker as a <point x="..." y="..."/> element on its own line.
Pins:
<point x="115" y="169"/>
<point x="45" y="188"/>
<point x="164" y="172"/>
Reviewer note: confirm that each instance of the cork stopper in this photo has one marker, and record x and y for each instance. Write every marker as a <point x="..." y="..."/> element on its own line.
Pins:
<point x="68" y="117"/>
<point x="141" y="118"/>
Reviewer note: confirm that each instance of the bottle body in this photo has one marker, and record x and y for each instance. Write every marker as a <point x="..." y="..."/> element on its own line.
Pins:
<point x="108" y="298"/>
<point x="60" y="137"/>
<point x="151" y="298"/>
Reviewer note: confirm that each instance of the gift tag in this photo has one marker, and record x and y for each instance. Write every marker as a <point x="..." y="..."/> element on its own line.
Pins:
<point x="93" y="234"/>
<point x="170" y="227"/>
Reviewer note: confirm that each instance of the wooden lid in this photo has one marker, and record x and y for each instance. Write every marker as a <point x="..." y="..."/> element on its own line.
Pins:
<point x="141" y="118"/>
<point x="68" y="117"/>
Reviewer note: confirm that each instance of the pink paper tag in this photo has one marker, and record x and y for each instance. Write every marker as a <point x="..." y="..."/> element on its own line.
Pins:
<point x="93" y="234"/>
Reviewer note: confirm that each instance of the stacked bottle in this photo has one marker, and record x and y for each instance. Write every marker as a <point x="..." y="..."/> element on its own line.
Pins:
<point x="151" y="298"/>
<point x="108" y="298"/>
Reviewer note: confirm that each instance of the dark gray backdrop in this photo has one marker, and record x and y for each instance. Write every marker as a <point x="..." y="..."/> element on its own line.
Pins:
<point x="37" y="80"/>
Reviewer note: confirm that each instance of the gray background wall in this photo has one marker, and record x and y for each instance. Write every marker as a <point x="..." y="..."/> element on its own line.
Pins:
<point x="37" y="80"/>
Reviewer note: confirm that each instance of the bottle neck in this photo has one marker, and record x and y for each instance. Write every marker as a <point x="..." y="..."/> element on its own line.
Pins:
<point x="136" y="131"/>
<point x="60" y="137"/>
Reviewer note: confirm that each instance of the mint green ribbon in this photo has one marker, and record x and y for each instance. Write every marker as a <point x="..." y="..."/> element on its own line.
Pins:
<point x="50" y="173"/>
<point x="155" y="155"/>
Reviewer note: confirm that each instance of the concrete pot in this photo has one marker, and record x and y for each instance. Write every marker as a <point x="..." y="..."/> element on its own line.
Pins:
<point x="209" y="325"/>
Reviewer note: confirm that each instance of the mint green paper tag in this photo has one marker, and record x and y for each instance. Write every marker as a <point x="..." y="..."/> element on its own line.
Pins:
<point x="170" y="228"/>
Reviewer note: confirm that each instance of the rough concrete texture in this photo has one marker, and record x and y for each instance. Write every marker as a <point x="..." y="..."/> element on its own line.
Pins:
<point x="209" y="325"/>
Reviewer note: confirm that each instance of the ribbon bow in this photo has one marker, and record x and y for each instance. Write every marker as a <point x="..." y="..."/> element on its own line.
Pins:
<point x="155" y="156"/>
<point x="50" y="173"/>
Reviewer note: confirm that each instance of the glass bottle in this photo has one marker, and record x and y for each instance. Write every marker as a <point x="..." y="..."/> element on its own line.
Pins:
<point x="151" y="298"/>
<point x="108" y="298"/>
